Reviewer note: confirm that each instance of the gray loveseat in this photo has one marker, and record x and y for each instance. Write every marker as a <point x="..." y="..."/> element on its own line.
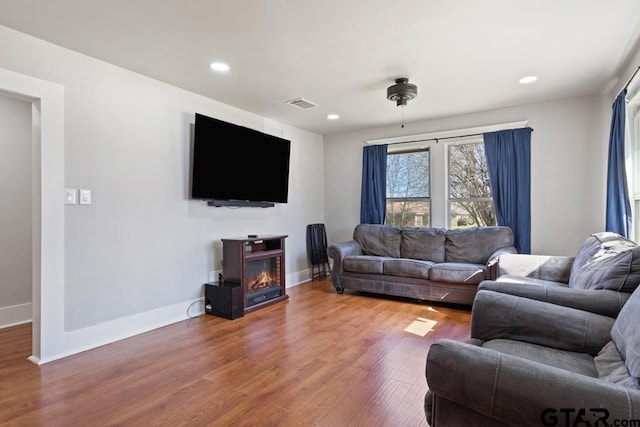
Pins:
<point x="600" y="278"/>
<point x="431" y="264"/>
<point x="531" y="363"/>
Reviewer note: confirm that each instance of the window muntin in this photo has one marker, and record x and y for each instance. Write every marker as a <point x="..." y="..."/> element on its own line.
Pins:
<point x="408" y="201"/>
<point x="469" y="192"/>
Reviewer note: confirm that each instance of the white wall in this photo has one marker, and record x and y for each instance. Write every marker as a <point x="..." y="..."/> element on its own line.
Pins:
<point x="143" y="245"/>
<point x="626" y="72"/>
<point x="15" y="211"/>
<point x="569" y="156"/>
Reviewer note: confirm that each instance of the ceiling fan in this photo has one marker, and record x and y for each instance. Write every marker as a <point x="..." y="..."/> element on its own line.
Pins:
<point x="401" y="92"/>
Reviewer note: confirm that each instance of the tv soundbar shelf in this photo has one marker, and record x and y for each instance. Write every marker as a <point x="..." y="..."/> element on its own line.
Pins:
<point x="258" y="264"/>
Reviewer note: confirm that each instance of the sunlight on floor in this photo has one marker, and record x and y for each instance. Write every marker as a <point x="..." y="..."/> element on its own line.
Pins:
<point x="421" y="326"/>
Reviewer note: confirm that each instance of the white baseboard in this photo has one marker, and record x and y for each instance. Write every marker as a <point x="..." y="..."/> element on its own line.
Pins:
<point x="15" y="315"/>
<point x="126" y="327"/>
<point x="298" y="278"/>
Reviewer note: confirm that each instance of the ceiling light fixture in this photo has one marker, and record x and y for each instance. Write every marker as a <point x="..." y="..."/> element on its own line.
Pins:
<point x="333" y="116"/>
<point x="401" y="92"/>
<point x="528" y="79"/>
<point x="219" y="66"/>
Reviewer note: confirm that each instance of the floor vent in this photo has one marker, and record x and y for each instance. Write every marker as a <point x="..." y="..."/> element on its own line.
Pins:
<point x="302" y="103"/>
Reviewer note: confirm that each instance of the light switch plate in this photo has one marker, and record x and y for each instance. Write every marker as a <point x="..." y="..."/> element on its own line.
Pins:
<point x="85" y="197"/>
<point x="70" y="196"/>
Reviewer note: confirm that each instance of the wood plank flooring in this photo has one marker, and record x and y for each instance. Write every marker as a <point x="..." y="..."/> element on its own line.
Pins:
<point x="318" y="359"/>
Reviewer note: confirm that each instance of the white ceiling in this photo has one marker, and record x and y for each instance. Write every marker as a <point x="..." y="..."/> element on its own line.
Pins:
<point x="464" y="55"/>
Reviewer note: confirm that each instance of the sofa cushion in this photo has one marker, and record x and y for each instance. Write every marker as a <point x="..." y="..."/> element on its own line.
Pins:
<point x="521" y="280"/>
<point x="606" y="261"/>
<point x="590" y="247"/>
<point x="475" y="245"/>
<point x="458" y="273"/>
<point x="423" y="243"/>
<point x="626" y="334"/>
<point x="380" y="240"/>
<point x="364" y="264"/>
<point x="610" y="367"/>
<point x="580" y="363"/>
<point x="407" y="267"/>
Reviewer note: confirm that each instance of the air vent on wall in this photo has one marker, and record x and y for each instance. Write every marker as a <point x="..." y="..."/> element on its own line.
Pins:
<point x="302" y="103"/>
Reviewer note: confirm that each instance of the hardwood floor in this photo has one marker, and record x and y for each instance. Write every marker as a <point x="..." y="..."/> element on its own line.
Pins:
<point x="319" y="359"/>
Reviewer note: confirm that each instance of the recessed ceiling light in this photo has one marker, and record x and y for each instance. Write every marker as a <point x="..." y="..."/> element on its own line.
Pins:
<point x="219" y="66"/>
<point x="333" y="116"/>
<point x="528" y="79"/>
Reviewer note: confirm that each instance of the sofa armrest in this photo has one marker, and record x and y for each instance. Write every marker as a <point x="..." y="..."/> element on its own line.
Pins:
<point x="605" y="302"/>
<point x="496" y="315"/>
<point x="516" y="391"/>
<point x="553" y="268"/>
<point x="337" y="252"/>
<point x="492" y="264"/>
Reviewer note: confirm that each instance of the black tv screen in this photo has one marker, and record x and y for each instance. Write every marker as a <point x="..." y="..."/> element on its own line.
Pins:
<point x="235" y="163"/>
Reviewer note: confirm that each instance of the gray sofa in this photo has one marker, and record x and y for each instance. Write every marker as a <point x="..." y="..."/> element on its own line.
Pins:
<point x="531" y="363"/>
<point x="600" y="278"/>
<point x="431" y="264"/>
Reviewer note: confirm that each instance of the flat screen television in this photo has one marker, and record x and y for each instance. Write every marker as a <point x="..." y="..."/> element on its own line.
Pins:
<point x="237" y="166"/>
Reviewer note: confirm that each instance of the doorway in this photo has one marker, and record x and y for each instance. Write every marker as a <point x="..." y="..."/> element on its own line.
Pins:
<point x="15" y="212"/>
<point x="47" y="161"/>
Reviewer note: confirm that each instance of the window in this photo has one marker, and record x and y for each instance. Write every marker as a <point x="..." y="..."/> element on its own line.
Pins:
<point x="632" y="154"/>
<point x="635" y="187"/>
<point x="408" y="198"/>
<point x="470" y="201"/>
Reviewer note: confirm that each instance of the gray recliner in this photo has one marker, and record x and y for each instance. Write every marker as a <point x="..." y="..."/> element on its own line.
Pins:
<point x="531" y="363"/>
<point x="606" y="262"/>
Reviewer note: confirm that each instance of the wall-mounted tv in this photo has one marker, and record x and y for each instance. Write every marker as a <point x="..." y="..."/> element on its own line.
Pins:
<point x="237" y="166"/>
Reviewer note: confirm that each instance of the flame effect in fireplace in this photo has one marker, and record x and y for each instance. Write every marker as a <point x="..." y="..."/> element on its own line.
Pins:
<point x="261" y="281"/>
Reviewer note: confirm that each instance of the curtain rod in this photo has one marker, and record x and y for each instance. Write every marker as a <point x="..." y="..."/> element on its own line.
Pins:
<point x="635" y="73"/>
<point x="438" y="139"/>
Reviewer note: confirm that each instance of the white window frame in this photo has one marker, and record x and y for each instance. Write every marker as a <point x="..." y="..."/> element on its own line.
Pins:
<point x="634" y="183"/>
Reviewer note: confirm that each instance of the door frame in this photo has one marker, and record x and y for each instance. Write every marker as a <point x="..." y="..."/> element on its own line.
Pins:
<point x="47" y="121"/>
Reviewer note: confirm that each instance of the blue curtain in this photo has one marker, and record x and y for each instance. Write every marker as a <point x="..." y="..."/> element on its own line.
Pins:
<point x="374" y="184"/>
<point x="509" y="161"/>
<point x="618" y="218"/>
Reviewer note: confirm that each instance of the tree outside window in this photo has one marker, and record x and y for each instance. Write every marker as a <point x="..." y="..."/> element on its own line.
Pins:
<point x="470" y="201"/>
<point x="408" y="199"/>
